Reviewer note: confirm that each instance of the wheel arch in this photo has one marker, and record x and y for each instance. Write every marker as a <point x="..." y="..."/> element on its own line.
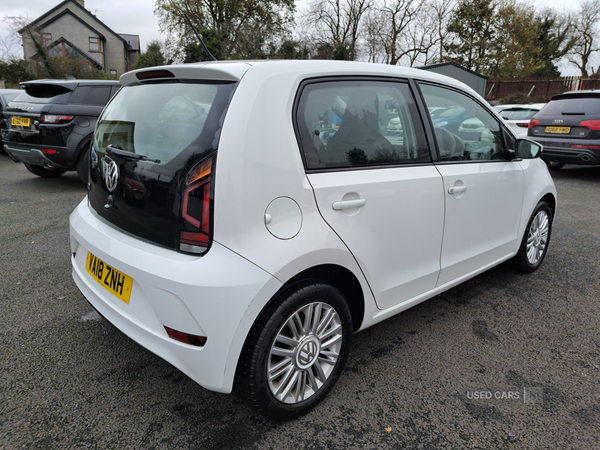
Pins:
<point x="551" y="200"/>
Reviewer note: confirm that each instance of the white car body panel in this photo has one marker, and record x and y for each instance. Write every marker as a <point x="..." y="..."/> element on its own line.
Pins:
<point x="443" y="239"/>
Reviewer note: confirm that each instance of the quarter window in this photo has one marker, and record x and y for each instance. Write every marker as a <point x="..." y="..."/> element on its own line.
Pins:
<point x="359" y="123"/>
<point x="464" y="130"/>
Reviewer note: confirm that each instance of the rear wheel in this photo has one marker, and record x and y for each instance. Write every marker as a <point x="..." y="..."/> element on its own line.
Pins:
<point x="43" y="172"/>
<point x="536" y="239"/>
<point x="553" y="165"/>
<point x="296" y="351"/>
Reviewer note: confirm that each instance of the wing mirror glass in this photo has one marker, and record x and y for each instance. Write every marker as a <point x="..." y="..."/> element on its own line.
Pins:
<point x="527" y="149"/>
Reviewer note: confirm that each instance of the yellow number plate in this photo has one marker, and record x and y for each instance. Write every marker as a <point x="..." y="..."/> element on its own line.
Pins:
<point x="565" y="130"/>
<point x="110" y="278"/>
<point x="20" y="121"/>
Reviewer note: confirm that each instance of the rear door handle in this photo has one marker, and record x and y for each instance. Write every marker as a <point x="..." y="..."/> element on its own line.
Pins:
<point x="348" y="204"/>
<point x="456" y="189"/>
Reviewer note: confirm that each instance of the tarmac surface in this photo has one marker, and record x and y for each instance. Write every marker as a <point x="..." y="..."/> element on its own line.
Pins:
<point x="504" y="361"/>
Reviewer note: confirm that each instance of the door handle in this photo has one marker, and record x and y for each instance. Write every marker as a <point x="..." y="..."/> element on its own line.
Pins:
<point x="456" y="189"/>
<point x="348" y="204"/>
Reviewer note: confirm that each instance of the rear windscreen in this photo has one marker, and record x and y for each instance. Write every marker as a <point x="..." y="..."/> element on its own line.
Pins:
<point x="573" y="106"/>
<point x="162" y="120"/>
<point x="42" y="93"/>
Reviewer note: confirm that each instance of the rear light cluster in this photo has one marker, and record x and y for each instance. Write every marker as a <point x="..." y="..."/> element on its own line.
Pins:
<point x="523" y="124"/>
<point x="591" y="124"/>
<point x="196" y="210"/>
<point x="533" y="123"/>
<point x="47" y="118"/>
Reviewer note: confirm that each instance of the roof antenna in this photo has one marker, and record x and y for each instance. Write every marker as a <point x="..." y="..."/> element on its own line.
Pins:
<point x="209" y="55"/>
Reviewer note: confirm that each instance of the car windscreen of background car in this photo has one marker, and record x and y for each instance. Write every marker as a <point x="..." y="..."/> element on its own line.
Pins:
<point x="572" y="106"/>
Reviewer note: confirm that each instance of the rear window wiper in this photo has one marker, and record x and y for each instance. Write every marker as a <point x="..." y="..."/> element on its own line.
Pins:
<point x="118" y="151"/>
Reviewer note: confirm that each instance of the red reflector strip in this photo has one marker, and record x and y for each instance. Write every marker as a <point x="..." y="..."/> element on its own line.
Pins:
<point x="186" y="338"/>
<point x="187" y="237"/>
<point x="593" y="147"/>
<point x="49" y="151"/>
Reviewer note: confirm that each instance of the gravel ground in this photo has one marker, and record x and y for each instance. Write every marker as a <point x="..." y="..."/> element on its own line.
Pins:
<point x="503" y="361"/>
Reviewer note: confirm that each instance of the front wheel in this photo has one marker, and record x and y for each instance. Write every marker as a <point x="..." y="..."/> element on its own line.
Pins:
<point x="41" y="171"/>
<point x="295" y="351"/>
<point x="534" y="245"/>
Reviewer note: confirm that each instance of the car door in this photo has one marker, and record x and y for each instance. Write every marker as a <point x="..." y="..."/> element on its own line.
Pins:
<point x="483" y="189"/>
<point x="376" y="188"/>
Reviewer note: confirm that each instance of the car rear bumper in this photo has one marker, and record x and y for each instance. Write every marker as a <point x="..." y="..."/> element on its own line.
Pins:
<point x="203" y="296"/>
<point x="42" y="155"/>
<point x="562" y="150"/>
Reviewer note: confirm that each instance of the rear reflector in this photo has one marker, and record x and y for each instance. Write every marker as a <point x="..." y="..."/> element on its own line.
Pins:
<point x="594" y="147"/>
<point x="49" y="151"/>
<point x="186" y="338"/>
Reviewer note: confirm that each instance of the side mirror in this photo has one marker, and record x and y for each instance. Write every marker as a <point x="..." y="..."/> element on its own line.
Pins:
<point x="527" y="149"/>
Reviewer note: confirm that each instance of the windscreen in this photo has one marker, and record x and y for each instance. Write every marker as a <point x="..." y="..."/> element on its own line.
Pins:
<point x="157" y="121"/>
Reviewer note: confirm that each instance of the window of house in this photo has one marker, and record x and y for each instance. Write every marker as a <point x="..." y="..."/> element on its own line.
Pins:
<point x="94" y="44"/>
<point x="46" y="39"/>
<point x="359" y="123"/>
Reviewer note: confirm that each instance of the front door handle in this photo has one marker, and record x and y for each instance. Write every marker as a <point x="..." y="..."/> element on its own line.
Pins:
<point x="348" y="204"/>
<point x="457" y="189"/>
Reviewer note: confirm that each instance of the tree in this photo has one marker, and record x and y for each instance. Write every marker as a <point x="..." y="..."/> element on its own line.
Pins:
<point x="242" y="27"/>
<point x="555" y="40"/>
<point x="473" y="28"/>
<point x="585" y="30"/>
<point x="514" y="51"/>
<point x="153" y="56"/>
<point x="336" y="24"/>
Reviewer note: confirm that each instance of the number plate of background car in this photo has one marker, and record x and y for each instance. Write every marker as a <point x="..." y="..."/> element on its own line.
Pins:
<point x="20" y="121"/>
<point x="565" y="130"/>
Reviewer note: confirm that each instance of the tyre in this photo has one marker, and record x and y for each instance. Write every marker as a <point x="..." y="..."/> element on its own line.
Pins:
<point x="535" y="240"/>
<point x="295" y="351"/>
<point x="83" y="163"/>
<point x="553" y="165"/>
<point x="41" y="171"/>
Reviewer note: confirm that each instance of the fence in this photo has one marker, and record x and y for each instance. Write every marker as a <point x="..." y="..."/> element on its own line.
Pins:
<point x="536" y="89"/>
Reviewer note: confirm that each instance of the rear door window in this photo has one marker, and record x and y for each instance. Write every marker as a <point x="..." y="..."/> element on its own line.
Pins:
<point x="359" y="123"/>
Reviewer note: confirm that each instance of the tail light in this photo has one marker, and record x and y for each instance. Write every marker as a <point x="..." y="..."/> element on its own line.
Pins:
<point x="196" y="210"/>
<point x="591" y="124"/>
<point x="47" y="118"/>
<point x="533" y="123"/>
<point x="523" y="124"/>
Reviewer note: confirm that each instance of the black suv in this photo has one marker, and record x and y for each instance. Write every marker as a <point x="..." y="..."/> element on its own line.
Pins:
<point x="49" y="127"/>
<point x="569" y="129"/>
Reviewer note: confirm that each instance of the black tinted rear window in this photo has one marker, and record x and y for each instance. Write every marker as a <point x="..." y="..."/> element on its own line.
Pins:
<point x="43" y="93"/>
<point x="573" y="106"/>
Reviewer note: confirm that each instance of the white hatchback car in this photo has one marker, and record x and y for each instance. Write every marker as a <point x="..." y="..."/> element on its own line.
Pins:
<point x="518" y="116"/>
<point x="249" y="250"/>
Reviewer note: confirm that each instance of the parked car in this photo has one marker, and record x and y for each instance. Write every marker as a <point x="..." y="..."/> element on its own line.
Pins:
<point x="569" y="129"/>
<point x="49" y="126"/>
<point x="518" y="116"/>
<point x="450" y="118"/>
<point x="260" y="248"/>
<point x="6" y="96"/>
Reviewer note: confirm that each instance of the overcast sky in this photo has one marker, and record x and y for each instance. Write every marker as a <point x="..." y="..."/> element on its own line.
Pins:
<point x="137" y="16"/>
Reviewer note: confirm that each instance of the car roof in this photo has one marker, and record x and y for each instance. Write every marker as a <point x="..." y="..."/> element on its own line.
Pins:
<point x="520" y="105"/>
<point x="236" y="70"/>
<point x="69" y="84"/>
<point x="577" y="94"/>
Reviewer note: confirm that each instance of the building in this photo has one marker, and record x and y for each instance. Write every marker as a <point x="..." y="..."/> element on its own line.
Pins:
<point x="474" y="80"/>
<point x="71" y="32"/>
